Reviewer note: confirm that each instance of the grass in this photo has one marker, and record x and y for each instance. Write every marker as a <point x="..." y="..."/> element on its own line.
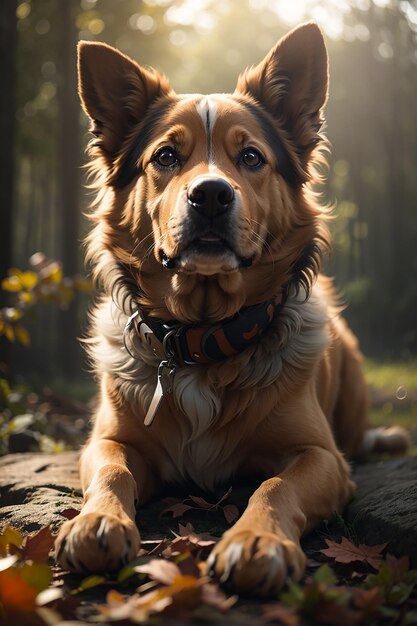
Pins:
<point x="393" y="395"/>
<point x="389" y="376"/>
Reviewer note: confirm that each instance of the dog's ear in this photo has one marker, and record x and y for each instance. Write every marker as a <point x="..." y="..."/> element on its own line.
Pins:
<point x="291" y="83"/>
<point x="115" y="92"/>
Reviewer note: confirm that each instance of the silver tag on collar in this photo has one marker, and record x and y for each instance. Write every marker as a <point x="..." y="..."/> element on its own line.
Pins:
<point x="166" y="372"/>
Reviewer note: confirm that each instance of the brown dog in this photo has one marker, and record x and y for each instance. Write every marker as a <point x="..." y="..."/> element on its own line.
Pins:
<point x="219" y="353"/>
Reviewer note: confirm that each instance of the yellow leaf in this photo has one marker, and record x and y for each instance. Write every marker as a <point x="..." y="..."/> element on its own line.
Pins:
<point x="11" y="283"/>
<point x="29" y="280"/>
<point x="2" y="327"/>
<point x="89" y="583"/>
<point x="26" y="297"/>
<point x="52" y="272"/>
<point x="22" y="335"/>
<point x="9" y="536"/>
<point x="9" y="332"/>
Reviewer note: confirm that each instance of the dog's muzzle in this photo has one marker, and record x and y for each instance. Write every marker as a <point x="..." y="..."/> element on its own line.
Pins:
<point x="210" y="200"/>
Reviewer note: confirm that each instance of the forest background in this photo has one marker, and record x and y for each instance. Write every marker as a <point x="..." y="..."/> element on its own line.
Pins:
<point x="202" y="45"/>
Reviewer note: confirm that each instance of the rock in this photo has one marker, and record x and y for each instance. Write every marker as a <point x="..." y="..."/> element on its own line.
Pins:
<point x="384" y="508"/>
<point x="35" y="488"/>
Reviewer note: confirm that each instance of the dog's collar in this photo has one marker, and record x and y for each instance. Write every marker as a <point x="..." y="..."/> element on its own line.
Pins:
<point x="193" y="344"/>
<point x="179" y="344"/>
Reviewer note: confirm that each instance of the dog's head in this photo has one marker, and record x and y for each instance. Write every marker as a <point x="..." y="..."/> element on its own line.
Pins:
<point x="205" y="199"/>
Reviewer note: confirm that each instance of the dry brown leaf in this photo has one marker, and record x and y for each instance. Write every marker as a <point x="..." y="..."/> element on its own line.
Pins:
<point x="38" y="546"/>
<point x="231" y="513"/>
<point x="159" y="569"/>
<point x="201" y="503"/>
<point x="347" y="552"/>
<point x="177" y="509"/>
<point x="70" y="513"/>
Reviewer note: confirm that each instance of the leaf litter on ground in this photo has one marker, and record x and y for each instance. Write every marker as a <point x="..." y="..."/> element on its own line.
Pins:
<point x="169" y="580"/>
<point x="178" y="507"/>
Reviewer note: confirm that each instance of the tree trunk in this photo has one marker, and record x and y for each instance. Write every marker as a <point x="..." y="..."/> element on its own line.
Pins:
<point x="7" y="126"/>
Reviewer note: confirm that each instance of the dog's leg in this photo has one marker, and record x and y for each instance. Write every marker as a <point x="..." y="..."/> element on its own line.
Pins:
<point x="104" y="535"/>
<point x="262" y="550"/>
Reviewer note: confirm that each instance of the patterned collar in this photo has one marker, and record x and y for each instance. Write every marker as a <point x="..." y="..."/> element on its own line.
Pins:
<point x="193" y="344"/>
<point x="179" y="344"/>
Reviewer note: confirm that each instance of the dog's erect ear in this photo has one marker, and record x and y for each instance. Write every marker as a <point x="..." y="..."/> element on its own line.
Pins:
<point x="291" y="84"/>
<point x="115" y="92"/>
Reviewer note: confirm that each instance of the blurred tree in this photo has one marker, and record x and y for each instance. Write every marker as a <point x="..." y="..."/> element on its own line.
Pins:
<point x="7" y="127"/>
<point x="69" y="179"/>
<point x="202" y="45"/>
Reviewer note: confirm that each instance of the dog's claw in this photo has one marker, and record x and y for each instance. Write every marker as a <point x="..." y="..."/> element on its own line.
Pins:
<point x="61" y="549"/>
<point x="211" y="564"/>
<point x="101" y="534"/>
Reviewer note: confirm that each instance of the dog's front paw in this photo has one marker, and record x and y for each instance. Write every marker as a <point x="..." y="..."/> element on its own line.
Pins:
<point x="258" y="563"/>
<point x="96" y="543"/>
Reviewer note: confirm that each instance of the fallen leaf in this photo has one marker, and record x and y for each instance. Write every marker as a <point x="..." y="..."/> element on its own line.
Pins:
<point x="38" y="546"/>
<point x="10" y="537"/>
<point x="177" y="509"/>
<point x="201" y="503"/>
<point x="89" y="583"/>
<point x="159" y="569"/>
<point x="225" y="496"/>
<point x="69" y="513"/>
<point x="8" y="561"/>
<point x="177" y="598"/>
<point x="231" y="513"/>
<point x="187" y="565"/>
<point x="185" y="531"/>
<point x="157" y="547"/>
<point x="347" y="552"/>
<point x="20" y="584"/>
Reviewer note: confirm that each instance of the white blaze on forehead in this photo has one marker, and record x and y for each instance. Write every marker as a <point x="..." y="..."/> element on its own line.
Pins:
<point x="207" y="110"/>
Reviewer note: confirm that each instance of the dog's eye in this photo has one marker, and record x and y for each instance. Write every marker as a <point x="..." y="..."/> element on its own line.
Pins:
<point x="166" y="157"/>
<point x="251" y="157"/>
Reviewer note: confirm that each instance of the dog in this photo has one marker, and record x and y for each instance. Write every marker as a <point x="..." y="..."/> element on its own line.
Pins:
<point x="219" y="347"/>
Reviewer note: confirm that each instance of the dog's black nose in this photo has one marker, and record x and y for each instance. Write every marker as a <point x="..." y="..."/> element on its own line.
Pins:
<point x="210" y="196"/>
